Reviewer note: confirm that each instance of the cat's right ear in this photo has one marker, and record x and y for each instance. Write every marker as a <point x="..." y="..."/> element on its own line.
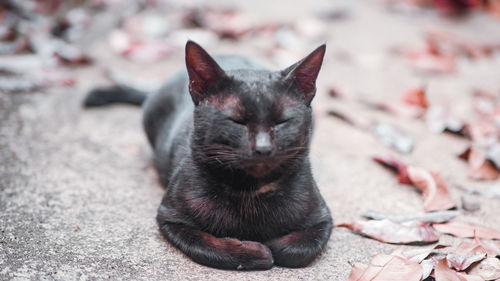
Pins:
<point x="203" y="71"/>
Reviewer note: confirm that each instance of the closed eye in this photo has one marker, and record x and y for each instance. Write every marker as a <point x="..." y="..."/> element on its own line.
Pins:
<point x="238" y="121"/>
<point x="282" y="121"/>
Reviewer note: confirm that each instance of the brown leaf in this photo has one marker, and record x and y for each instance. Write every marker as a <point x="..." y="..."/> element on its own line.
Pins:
<point x="419" y="254"/>
<point x="489" y="269"/>
<point x="462" y="229"/>
<point x="431" y="184"/>
<point x="415" y="97"/>
<point x="462" y="262"/>
<point x="433" y="187"/>
<point x="357" y="271"/>
<point x="394" y="165"/>
<point x="386" y="267"/>
<point x="479" y="167"/>
<point x="481" y="129"/>
<point x="478" y="246"/>
<point x="443" y="272"/>
<point x="411" y="232"/>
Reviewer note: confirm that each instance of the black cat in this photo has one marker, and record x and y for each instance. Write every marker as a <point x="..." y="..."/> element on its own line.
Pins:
<point x="231" y="143"/>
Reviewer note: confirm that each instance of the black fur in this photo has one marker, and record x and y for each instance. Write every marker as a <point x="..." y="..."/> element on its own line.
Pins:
<point x="231" y="143"/>
<point x="115" y="94"/>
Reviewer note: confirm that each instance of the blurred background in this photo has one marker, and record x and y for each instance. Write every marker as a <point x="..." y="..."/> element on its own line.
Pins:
<point x="415" y="80"/>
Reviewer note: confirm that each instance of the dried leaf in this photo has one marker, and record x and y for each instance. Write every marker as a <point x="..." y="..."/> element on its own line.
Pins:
<point x="440" y="216"/>
<point x="342" y="116"/>
<point x="415" y="97"/>
<point x="147" y="51"/>
<point x="357" y="271"/>
<point x="490" y="192"/>
<point x="462" y="262"/>
<point x="440" y="119"/>
<point x="431" y="184"/>
<point x="386" y="267"/>
<point x="462" y="229"/>
<point x="419" y="254"/>
<point x="489" y="269"/>
<point x="443" y="272"/>
<point x="430" y="58"/>
<point x="394" y="138"/>
<point x="481" y="129"/>
<point x="427" y="267"/>
<point x="411" y="232"/>
<point x="478" y="246"/>
<point x="399" y="168"/>
<point x="434" y="189"/>
<point x="479" y="167"/>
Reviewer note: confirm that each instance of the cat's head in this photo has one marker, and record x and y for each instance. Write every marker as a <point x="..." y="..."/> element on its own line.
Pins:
<point x="253" y="121"/>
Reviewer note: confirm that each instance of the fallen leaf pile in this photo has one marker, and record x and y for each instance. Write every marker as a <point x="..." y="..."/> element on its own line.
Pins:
<point x="36" y="42"/>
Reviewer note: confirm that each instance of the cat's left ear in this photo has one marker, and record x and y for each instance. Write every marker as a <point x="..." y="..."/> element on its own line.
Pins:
<point x="304" y="73"/>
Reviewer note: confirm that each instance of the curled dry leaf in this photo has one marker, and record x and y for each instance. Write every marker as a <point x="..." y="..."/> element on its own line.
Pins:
<point x="462" y="229"/>
<point x="386" y="267"/>
<point x="431" y="184"/>
<point x="396" y="166"/>
<point x="462" y="262"/>
<point x="433" y="187"/>
<point x="479" y="167"/>
<point x="411" y="232"/>
<point x="443" y="272"/>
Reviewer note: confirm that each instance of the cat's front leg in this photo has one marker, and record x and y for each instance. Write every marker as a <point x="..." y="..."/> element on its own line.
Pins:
<point x="224" y="253"/>
<point x="298" y="249"/>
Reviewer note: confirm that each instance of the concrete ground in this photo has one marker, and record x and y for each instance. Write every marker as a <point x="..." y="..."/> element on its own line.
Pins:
<point x="78" y="192"/>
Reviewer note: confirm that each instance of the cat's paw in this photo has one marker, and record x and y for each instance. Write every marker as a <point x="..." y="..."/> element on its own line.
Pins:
<point x="294" y="255"/>
<point x="250" y="255"/>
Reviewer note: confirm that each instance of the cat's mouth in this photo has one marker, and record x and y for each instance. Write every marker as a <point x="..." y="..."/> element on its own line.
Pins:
<point x="259" y="169"/>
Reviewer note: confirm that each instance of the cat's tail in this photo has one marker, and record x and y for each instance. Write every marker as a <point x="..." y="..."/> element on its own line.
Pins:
<point x="114" y="94"/>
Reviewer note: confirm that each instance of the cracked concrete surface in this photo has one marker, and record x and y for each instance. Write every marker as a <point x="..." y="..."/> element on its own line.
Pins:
<point x="78" y="193"/>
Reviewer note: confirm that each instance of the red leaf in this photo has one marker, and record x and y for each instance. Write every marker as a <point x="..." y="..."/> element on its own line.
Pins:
<point x="434" y="189"/>
<point x="396" y="233"/>
<point x="431" y="184"/>
<point x="415" y="97"/>
<point x="396" y="166"/>
<point x="479" y="167"/>
<point x="462" y="229"/>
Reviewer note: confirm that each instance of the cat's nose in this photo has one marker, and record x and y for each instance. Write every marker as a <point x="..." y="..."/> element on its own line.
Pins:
<point x="263" y="145"/>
